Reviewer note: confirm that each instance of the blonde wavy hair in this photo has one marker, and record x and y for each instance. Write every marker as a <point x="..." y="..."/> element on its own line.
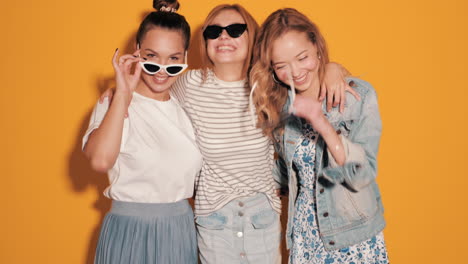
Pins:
<point x="252" y="31"/>
<point x="270" y="96"/>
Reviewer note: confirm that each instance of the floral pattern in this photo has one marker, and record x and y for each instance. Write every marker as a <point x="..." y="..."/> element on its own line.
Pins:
<point x="307" y="246"/>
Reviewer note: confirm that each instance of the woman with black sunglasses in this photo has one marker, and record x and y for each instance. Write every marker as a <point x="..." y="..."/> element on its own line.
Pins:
<point x="236" y="203"/>
<point x="151" y="157"/>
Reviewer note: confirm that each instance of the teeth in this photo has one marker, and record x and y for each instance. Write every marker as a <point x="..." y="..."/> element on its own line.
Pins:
<point x="301" y="79"/>
<point x="225" y="48"/>
<point x="161" y="78"/>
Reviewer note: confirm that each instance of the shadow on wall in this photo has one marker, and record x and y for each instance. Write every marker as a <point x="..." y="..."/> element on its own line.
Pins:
<point x="82" y="178"/>
<point x="80" y="172"/>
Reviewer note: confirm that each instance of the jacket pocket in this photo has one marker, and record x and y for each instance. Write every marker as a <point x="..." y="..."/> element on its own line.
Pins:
<point x="345" y="127"/>
<point x="355" y="206"/>
<point x="264" y="219"/>
<point x="214" y="221"/>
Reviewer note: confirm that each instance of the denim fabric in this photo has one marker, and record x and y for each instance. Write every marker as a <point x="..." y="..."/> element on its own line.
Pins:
<point x="246" y="230"/>
<point x="349" y="206"/>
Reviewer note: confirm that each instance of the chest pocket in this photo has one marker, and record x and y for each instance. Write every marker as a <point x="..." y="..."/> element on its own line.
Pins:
<point x="344" y="127"/>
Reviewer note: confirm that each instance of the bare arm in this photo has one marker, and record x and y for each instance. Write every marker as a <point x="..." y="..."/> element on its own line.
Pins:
<point x="311" y="110"/>
<point x="103" y="145"/>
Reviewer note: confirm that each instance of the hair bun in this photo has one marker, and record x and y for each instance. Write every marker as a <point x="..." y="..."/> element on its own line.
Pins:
<point x="166" y="5"/>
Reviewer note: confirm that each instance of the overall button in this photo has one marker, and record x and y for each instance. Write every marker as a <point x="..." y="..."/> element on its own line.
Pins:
<point x="322" y="190"/>
<point x="331" y="243"/>
<point x="240" y="234"/>
<point x="338" y="132"/>
<point x="241" y="204"/>
<point x="325" y="214"/>
<point x="240" y="214"/>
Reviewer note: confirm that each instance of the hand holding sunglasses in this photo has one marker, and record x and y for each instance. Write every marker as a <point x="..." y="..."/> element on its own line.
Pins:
<point x="126" y="81"/>
<point x="233" y="30"/>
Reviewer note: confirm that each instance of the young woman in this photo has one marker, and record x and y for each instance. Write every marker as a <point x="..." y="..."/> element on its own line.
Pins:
<point x="335" y="209"/>
<point x="151" y="156"/>
<point x="236" y="205"/>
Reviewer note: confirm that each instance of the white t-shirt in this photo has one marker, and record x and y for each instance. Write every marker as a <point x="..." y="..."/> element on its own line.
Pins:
<point x="158" y="159"/>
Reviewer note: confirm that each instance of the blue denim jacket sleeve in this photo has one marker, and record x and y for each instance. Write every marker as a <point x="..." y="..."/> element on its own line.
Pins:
<point x="361" y="144"/>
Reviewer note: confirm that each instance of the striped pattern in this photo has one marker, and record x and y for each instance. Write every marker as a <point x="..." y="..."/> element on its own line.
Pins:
<point x="237" y="157"/>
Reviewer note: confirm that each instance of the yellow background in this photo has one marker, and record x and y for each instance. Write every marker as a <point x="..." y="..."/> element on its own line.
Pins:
<point x="56" y="60"/>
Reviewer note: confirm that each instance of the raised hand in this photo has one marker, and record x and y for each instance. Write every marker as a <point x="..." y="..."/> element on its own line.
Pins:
<point x="126" y="81"/>
<point x="308" y="108"/>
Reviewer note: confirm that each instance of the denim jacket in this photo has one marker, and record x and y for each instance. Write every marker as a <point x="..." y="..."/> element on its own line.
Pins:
<point x="349" y="207"/>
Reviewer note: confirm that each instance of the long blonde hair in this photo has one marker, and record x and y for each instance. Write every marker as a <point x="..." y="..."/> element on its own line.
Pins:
<point x="269" y="97"/>
<point x="252" y="31"/>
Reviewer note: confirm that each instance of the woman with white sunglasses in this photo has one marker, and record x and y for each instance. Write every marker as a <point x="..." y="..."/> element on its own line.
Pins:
<point x="151" y="157"/>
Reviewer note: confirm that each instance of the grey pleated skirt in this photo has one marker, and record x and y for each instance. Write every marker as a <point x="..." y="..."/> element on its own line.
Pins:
<point x="140" y="233"/>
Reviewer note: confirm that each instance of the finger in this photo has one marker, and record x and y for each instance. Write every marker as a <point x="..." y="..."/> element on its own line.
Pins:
<point x="323" y="91"/>
<point x="137" y="72"/>
<point x="128" y="63"/>
<point x="114" y="58"/>
<point x="353" y="92"/>
<point x="329" y="101"/>
<point x="343" y="100"/>
<point x="126" y="57"/>
<point x="131" y="60"/>
<point x="107" y="94"/>
<point x="336" y="97"/>
<point x="111" y="94"/>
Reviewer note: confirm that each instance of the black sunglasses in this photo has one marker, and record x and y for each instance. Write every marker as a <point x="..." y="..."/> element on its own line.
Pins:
<point x="233" y="30"/>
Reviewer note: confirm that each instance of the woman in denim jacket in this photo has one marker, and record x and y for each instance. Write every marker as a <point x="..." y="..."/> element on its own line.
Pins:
<point x="327" y="159"/>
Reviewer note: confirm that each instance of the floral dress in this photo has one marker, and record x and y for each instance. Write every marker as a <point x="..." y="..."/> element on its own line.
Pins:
<point x="307" y="246"/>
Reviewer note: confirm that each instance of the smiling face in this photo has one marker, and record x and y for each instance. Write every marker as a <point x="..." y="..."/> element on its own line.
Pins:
<point x="294" y="51"/>
<point x="161" y="46"/>
<point x="225" y="49"/>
